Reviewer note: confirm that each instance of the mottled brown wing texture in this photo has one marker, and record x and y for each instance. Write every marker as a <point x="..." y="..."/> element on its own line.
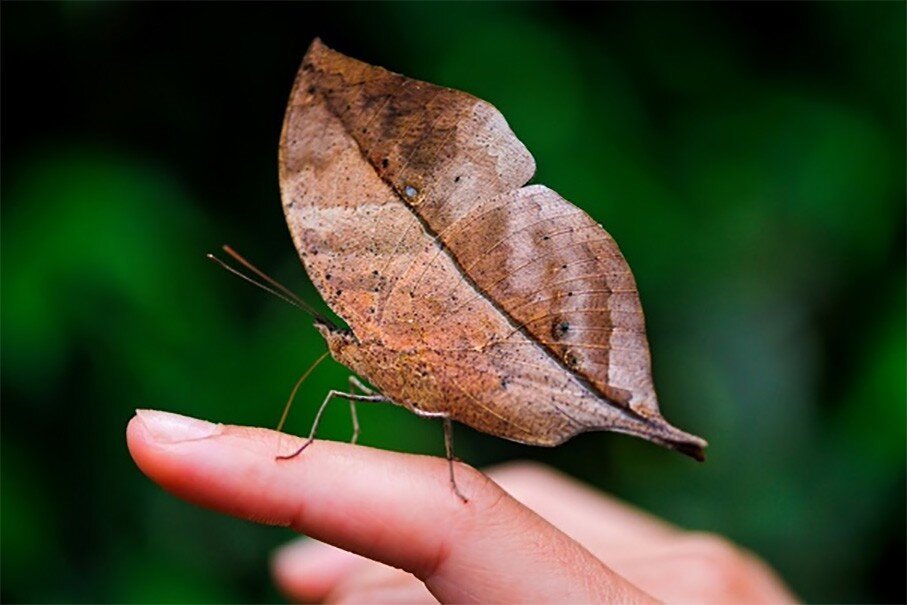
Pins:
<point x="468" y="294"/>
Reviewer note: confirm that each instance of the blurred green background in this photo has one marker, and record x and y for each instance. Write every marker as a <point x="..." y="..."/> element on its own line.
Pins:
<point x="749" y="158"/>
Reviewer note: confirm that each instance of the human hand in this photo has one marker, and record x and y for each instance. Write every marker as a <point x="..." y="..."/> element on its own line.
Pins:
<point x="528" y="534"/>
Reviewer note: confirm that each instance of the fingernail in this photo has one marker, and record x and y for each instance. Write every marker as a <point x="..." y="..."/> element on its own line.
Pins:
<point x="165" y="427"/>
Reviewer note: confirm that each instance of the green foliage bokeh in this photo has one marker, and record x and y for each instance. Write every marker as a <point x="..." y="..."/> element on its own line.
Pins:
<point x="748" y="158"/>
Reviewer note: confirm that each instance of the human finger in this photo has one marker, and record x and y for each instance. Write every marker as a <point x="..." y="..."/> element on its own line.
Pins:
<point x="603" y="524"/>
<point x="307" y="570"/>
<point x="310" y="571"/>
<point x="390" y="507"/>
<point x="667" y="562"/>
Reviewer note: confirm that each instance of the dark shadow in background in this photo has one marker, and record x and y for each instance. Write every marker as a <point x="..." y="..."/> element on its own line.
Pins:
<point x="749" y="158"/>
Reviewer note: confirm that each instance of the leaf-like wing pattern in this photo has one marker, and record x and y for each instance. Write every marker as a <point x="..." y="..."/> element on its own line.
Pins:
<point x="468" y="294"/>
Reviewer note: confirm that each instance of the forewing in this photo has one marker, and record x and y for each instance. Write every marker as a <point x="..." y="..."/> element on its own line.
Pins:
<point x="457" y="165"/>
<point x="406" y="203"/>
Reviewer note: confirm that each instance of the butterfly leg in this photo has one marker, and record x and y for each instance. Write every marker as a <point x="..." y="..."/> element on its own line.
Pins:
<point x="448" y="447"/>
<point x="355" y="383"/>
<point x="324" y="404"/>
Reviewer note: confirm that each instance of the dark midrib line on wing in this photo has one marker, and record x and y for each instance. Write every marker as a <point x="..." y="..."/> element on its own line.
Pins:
<point x="430" y="231"/>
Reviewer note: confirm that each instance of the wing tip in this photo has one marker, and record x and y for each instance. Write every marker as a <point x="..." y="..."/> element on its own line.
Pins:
<point x="681" y="442"/>
<point x="695" y="450"/>
<point x="316" y="44"/>
<point x="656" y="429"/>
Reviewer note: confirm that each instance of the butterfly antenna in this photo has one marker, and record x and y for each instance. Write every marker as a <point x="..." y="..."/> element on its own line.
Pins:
<point x="238" y="257"/>
<point x="270" y="285"/>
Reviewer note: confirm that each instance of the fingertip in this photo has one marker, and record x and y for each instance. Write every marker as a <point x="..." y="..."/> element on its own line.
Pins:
<point x="180" y="454"/>
<point x="137" y="442"/>
<point x="134" y="430"/>
<point x="148" y="434"/>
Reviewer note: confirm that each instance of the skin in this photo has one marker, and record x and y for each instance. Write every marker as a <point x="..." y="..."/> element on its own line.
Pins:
<point x="385" y="527"/>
